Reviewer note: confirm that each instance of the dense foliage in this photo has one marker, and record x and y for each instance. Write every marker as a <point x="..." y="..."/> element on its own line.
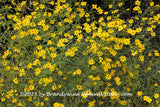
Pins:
<point x="57" y="54"/>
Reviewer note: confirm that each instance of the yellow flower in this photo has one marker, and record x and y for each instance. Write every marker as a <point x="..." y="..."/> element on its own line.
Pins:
<point x="78" y="71"/>
<point x="30" y="81"/>
<point x="117" y="79"/>
<point x="149" y="54"/>
<point x="13" y="37"/>
<point x="151" y="3"/>
<point x="79" y="87"/>
<point x="122" y="102"/>
<point x="4" y="63"/>
<point x="74" y="73"/>
<point x="94" y="6"/>
<point x="65" y="78"/>
<point x="70" y="53"/>
<point x="8" y="68"/>
<point x="37" y="38"/>
<point x="126" y="41"/>
<point x="69" y="9"/>
<point x="131" y="21"/>
<point x="42" y="103"/>
<point x="15" y="80"/>
<point x="15" y="68"/>
<point x="139" y="93"/>
<point x="42" y="6"/>
<point x="74" y="49"/>
<point x="60" y="24"/>
<point x="63" y="1"/>
<point x="38" y="104"/>
<point x="122" y="58"/>
<point x="52" y="2"/>
<point x="52" y="68"/>
<point x="120" y="4"/>
<point x="32" y="31"/>
<point x="110" y="30"/>
<point x="91" y="62"/>
<point x="149" y="68"/>
<point x="61" y="43"/>
<point x="100" y="103"/>
<point x="21" y="72"/>
<point x="153" y="34"/>
<point x="53" y="55"/>
<point x="133" y="53"/>
<point x="156" y="84"/>
<point x="52" y="21"/>
<point x="156" y="95"/>
<point x="110" y="6"/>
<point x="3" y="99"/>
<point x="137" y="2"/>
<point x="1" y="80"/>
<point x="84" y="95"/>
<point x="83" y="101"/>
<point x="136" y="8"/>
<point x="56" y="104"/>
<point x="45" y="98"/>
<point x="38" y="71"/>
<point x="60" y="73"/>
<point x="93" y="67"/>
<point x="105" y="13"/>
<point x="91" y="104"/>
<point x="120" y="28"/>
<point x="31" y="87"/>
<point x="156" y="54"/>
<point x="108" y="76"/>
<point x="29" y="65"/>
<point x="54" y="87"/>
<point x="83" y="3"/>
<point x="141" y="58"/>
<point x="118" y="82"/>
<point x="131" y="74"/>
<point x="148" y="99"/>
<point x="14" y="100"/>
<point x="45" y="27"/>
<point x="53" y="34"/>
<point x="59" y="86"/>
<point x="149" y="29"/>
<point x="87" y="15"/>
<point x="138" y="29"/>
<point x="39" y="47"/>
<point x="20" y="104"/>
<point x="30" y="99"/>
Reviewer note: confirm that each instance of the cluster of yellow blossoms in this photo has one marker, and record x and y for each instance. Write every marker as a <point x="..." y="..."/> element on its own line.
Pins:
<point x="58" y="48"/>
